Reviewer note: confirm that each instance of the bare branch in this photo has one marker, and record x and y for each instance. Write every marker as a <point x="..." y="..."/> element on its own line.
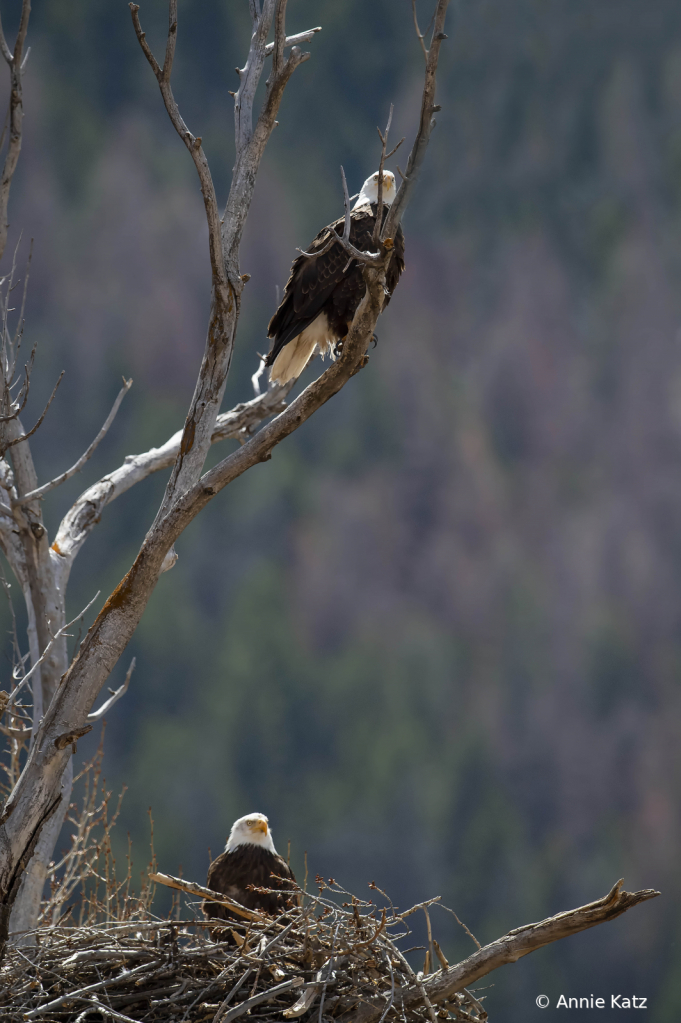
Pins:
<point x="171" y="41"/>
<point x="17" y="408"/>
<point x="250" y="143"/>
<point x="85" y="513"/>
<point x="296" y="40"/>
<point x="16" y="114"/>
<point x="25" y="436"/>
<point x="6" y="52"/>
<point x="379" y="199"/>
<point x="23" y="29"/>
<point x="426" y="123"/>
<point x="223" y="242"/>
<point x="206" y="893"/>
<point x="512" y="946"/>
<point x="29" y="674"/>
<point x="40" y="492"/>
<point x="461" y="924"/>
<point x="377" y="260"/>
<point x="333" y="236"/>
<point x="115" y="695"/>
<point x="418" y="31"/>
<point x="142" y="39"/>
<point x="279" y="38"/>
<point x="395" y="148"/>
<point x="193" y="144"/>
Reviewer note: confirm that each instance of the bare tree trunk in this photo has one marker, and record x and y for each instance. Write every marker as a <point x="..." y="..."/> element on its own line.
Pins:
<point x="33" y="813"/>
<point x="48" y="620"/>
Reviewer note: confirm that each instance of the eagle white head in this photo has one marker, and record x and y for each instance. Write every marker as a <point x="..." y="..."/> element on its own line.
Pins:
<point x="253" y="829"/>
<point x="369" y="191"/>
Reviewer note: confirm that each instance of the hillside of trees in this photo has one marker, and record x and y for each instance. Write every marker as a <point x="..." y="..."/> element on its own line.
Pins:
<point x="437" y="639"/>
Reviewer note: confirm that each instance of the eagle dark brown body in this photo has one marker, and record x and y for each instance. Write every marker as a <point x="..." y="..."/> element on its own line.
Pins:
<point x="236" y="873"/>
<point x="322" y="296"/>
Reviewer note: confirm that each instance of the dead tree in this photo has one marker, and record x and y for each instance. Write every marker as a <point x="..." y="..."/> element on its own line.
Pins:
<point x="64" y="694"/>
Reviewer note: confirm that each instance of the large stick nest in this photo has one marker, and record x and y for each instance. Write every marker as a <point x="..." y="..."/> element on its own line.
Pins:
<point x="318" y="961"/>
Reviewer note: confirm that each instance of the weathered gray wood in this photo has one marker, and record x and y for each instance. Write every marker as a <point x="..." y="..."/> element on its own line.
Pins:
<point x="16" y="60"/>
<point x="442" y="986"/>
<point x="69" y="693"/>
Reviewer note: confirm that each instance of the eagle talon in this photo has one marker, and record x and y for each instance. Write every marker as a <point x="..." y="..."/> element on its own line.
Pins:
<point x="374" y="338"/>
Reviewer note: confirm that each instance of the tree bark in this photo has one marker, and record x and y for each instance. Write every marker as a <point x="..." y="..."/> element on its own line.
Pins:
<point x="31" y="815"/>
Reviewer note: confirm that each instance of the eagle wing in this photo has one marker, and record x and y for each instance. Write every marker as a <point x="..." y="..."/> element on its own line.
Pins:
<point x="314" y="278"/>
<point x="236" y="874"/>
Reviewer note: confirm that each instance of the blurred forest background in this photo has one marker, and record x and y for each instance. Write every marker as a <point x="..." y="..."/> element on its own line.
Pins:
<point x="437" y="639"/>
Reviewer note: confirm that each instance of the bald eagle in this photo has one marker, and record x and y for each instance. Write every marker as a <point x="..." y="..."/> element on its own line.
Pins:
<point x="324" y="291"/>
<point x="250" y="861"/>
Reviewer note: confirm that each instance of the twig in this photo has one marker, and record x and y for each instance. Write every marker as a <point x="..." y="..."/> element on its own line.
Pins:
<point x="512" y="946"/>
<point x="365" y="944"/>
<point x="426" y="123"/>
<point x="264" y="996"/>
<point x="427" y="1002"/>
<point x="206" y="893"/>
<point x="430" y="954"/>
<point x="330" y="971"/>
<point x="99" y="986"/>
<point x="461" y="924"/>
<point x="414" y="909"/>
<point x="369" y="258"/>
<point x="379" y="199"/>
<point x="53" y="639"/>
<point x="115" y="696"/>
<point x="191" y="142"/>
<point x="40" y="492"/>
<point x="392" y="989"/>
<point x="25" y="436"/>
<point x="418" y="31"/>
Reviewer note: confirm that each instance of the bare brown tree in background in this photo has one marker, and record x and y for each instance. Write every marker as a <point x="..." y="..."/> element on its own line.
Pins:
<point x="63" y="694"/>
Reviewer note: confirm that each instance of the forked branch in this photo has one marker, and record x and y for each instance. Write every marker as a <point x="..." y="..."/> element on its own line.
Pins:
<point x="80" y="520"/>
<point x="383" y="136"/>
<point x="24" y="436"/>
<point x="116" y="695"/>
<point x="40" y="492"/>
<point x="192" y="143"/>
<point x="426" y="124"/>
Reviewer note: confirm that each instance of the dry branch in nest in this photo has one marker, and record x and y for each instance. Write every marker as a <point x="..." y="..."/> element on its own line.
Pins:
<point x="334" y="957"/>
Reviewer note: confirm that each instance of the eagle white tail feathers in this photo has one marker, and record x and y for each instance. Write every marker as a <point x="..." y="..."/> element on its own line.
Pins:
<point x="294" y="356"/>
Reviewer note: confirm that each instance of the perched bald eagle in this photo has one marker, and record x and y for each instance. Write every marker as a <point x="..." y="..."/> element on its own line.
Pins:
<point x="323" y="292"/>
<point x="250" y="861"/>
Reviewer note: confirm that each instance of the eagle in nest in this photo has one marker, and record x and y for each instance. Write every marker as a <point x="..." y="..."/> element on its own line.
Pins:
<point x="324" y="291"/>
<point x="250" y="862"/>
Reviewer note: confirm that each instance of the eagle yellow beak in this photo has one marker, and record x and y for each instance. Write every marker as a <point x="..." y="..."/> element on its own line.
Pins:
<point x="260" y="826"/>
